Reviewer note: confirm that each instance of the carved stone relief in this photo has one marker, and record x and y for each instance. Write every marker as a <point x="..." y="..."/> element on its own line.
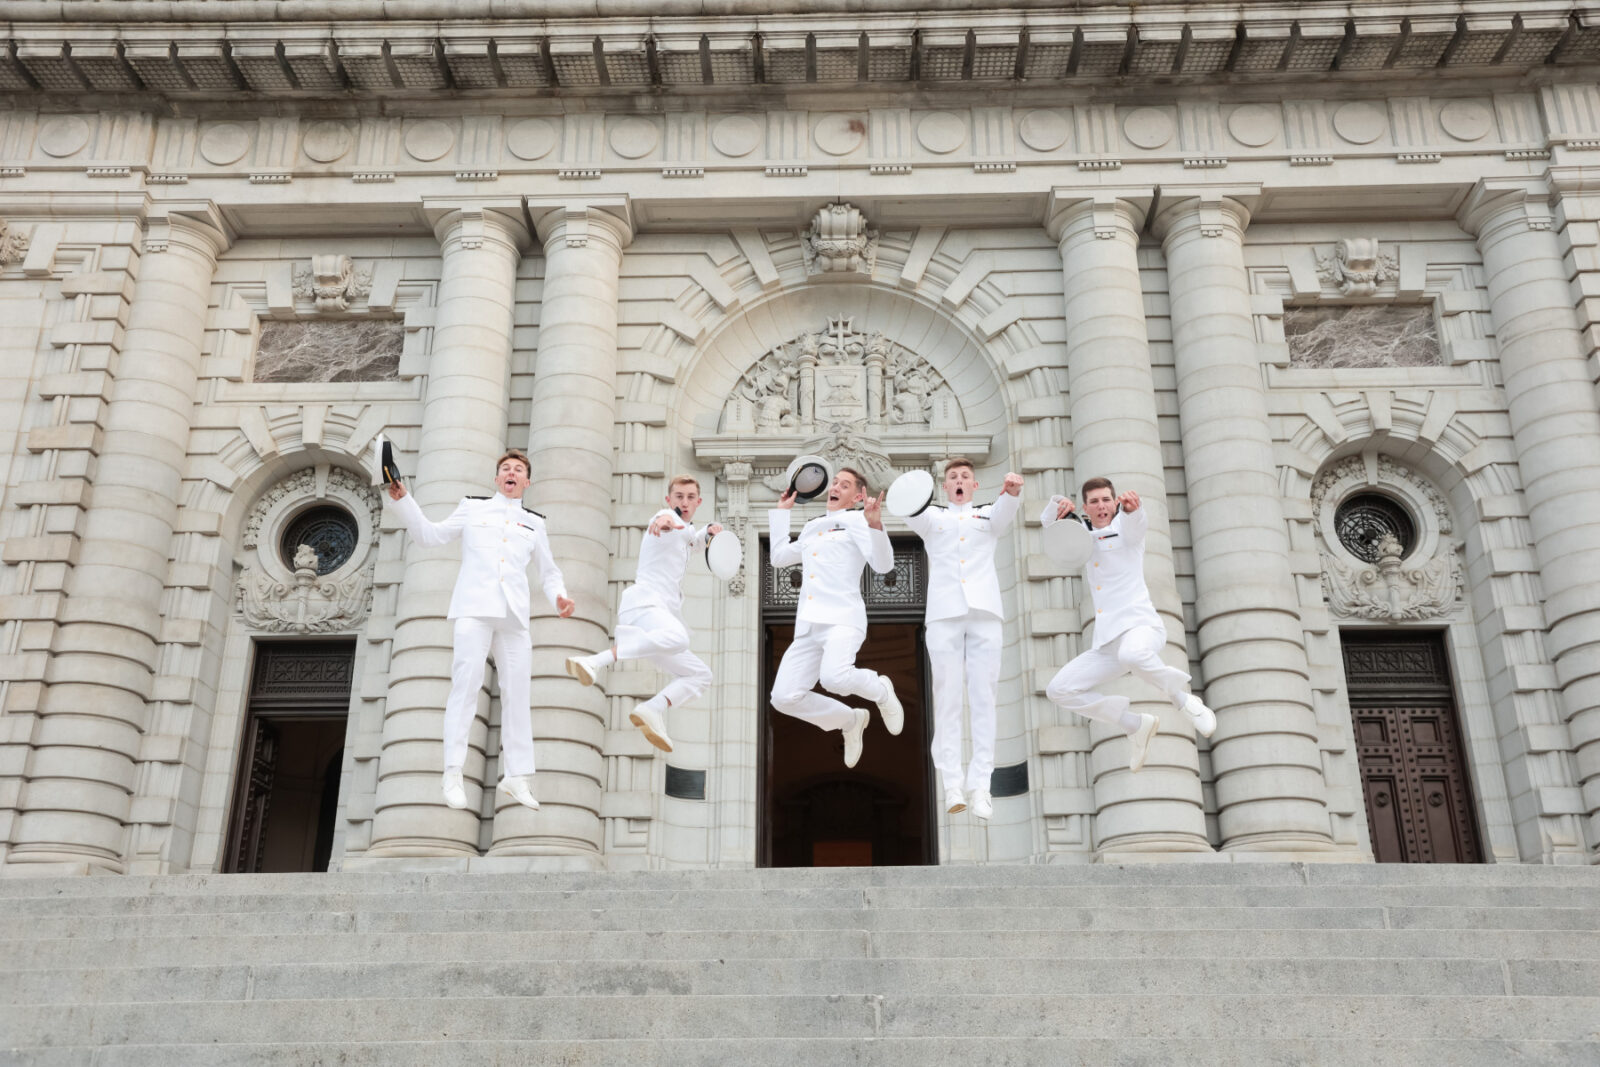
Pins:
<point x="362" y="350"/>
<point x="1385" y="335"/>
<point x="13" y="244"/>
<point x="1357" y="266"/>
<point x="279" y="596"/>
<point x="839" y="241"/>
<point x="333" y="281"/>
<point x="1425" y="584"/>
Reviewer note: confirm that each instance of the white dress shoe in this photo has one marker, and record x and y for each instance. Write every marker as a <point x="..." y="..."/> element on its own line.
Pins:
<point x="1205" y="720"/>
<point x="982" y="804"/>
<point x="853" y="737"/>
<point x="580" y="670"/>
<point x="455" y="790"/>
<point x="954" y="801"/>
<point x="890" y="710"/>
<point x="520" y="788"/>
<point x="648" y="720"/>
<point x="1140" y="739"/>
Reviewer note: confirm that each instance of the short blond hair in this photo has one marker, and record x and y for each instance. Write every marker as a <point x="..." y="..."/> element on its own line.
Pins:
<point x="683" y="479"/>
<point x="520" y="456"/>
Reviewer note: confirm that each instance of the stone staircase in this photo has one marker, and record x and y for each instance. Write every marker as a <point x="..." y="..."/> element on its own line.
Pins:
<point x="1192" y="963"/>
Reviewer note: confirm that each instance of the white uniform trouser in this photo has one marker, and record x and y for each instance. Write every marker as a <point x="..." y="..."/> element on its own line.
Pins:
<point x="826" y="654"/>
<point x="512" y="646"/>
<point x="653" y="633"/>
<point x="1136" y="650"/>
<point x="970" y="646"/>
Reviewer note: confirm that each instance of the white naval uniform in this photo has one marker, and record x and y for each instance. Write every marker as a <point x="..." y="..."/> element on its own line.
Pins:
<point x="490" y="606"/>
<point x="831" y="620"/>
<point x="650" y="620"/>
<point x="964" y="623"/>
<point x="1128" y="633"/>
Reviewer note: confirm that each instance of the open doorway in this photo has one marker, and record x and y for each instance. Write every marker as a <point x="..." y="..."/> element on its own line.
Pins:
<point x="287" y="792"/>
<point x="815" y="812"/>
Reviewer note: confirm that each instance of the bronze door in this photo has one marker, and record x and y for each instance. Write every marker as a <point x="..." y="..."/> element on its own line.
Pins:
<point x="1413" y="770"/>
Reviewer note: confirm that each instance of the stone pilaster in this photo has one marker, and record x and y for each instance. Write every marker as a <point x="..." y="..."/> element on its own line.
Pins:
<point x="463" y="433"/>
<point x="94" y="713"/>
<point x="1115" y="434"/>
<point x="570" y="441"/>
<point x="1264" y="756"/>
<point x="1555" y="429"/>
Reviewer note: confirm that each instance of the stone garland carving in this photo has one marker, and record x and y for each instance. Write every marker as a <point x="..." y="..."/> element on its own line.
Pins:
<point x="736" y="476"/>
<point x="333" y="281"/>
<point x="843" y="445"/>
<point x="1389" y="589"/>
<point x="13" y="244"/>
<point x="1357" y="266"/>
<point x="840" y="242"/>
<point x="305" y="603"/>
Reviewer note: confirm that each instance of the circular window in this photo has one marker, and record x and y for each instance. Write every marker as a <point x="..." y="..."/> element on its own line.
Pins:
<point x="1367" y="520"/>
<point x="331" y="532"/>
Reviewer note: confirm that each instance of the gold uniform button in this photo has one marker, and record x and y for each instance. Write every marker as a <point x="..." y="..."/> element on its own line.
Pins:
<point x="1097" y="587"/>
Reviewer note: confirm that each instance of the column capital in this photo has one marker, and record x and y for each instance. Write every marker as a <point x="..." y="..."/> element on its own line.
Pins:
<point x="194" y="224"/>
<point x="1210" y="209"/>
<point x="473" y="221"/>
<point x="572" y="221"/>
<point x="1496" y="203"/>
<point x="1109" y="210"/>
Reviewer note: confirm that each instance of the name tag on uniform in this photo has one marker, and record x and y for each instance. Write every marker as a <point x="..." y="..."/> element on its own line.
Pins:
<point x="525" y="526"/>
<point x="985" y="518"/>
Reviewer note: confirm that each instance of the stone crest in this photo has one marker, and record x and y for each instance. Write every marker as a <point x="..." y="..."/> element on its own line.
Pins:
<point x="332" y="281"/>
<point x="1357" y="266"/>
<point x="13" y="244"/>
<point x="840" y="242"/>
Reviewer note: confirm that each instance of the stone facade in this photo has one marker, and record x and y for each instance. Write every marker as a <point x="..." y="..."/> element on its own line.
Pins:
<point x="1250" y="260"/>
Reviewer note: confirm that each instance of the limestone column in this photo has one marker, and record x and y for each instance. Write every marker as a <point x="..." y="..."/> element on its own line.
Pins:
<point x="463" y="433"/>
<point x="1115" y="434"/>
<point x="80" y="776"/>
<point x="572" y="423"/>
<point x="1264" y="755"/>
<point x="1555" y="429"/>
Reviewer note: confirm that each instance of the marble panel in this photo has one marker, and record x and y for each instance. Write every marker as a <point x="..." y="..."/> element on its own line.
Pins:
<point x="361" y="351"/>
<point x="1372" y="336"/>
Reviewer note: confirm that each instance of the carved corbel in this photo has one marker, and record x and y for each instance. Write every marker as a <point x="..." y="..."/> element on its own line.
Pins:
<point x="333" y="282"/>
<point x="840" y="242"/>
<point x="1357" y="266"/>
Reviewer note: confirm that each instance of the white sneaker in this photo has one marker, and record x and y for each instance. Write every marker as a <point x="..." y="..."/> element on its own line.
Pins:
<point x="954" y="801"/>
<point x="520" y="788"/>
<point x="982" y="804"/>
<point x="852" y="737"/>
<point x="890" y="710"/>
<point x="1140" y="740"/>
<point x="455" y="790"/>
<point x="1205" y="720"/>
<point x="649" y="722"/>
<point x="579" y="668"/>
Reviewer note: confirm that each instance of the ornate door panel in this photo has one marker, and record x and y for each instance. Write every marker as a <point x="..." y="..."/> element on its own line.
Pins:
<point x="1413" y="771"/>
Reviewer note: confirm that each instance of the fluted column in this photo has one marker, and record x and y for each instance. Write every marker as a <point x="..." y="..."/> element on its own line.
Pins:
<point x="1555" y="429"/>
<point x="1264" y="755"/>
<point x="1115" y="434"/>
<point x="94" y="711"/>
<point x="463" y="433"/>
<point x="571" y="426"/>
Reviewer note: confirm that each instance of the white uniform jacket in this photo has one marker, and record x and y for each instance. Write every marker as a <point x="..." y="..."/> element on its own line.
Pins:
<point x="961" y="543"/>
<point x="832" y="550"/>
<point x="1115" y="573"/>
<point x="658" y="580"/>
<point x="499" y="538"/>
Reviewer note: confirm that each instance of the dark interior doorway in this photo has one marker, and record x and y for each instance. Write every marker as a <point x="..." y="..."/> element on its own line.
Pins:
<point x="815" y="812"/>
<point x="288" y="782"/>
<point x="1413" y="766"/>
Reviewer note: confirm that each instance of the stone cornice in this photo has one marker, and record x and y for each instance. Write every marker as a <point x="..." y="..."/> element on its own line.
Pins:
<point x="300" y="48"/>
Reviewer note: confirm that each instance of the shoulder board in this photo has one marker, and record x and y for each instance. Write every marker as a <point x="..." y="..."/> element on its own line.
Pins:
<point x="530" y="511"/>
<point x="938" y="507"/>
<point x="474" y="498"/>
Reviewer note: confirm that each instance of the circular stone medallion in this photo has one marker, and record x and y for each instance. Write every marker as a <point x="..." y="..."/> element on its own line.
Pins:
<point x="531" y="139"/>
<point x="839" y="134"/>
<point x="1148" y="127"/>
<point x="632" y="138"/>
<point x="1466" y="120"/>
<point x="1360" y="123"/>
<point x="429" y="139"/>
<point x="1044" y="131"/>
<point x="325" y="142"/>
<point x="225" y="143"/>
<point x="1254" y="125"/>
<point x="942" y="132"/>
<point x="736" y="135"/>
<point x="63" y="136"/>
